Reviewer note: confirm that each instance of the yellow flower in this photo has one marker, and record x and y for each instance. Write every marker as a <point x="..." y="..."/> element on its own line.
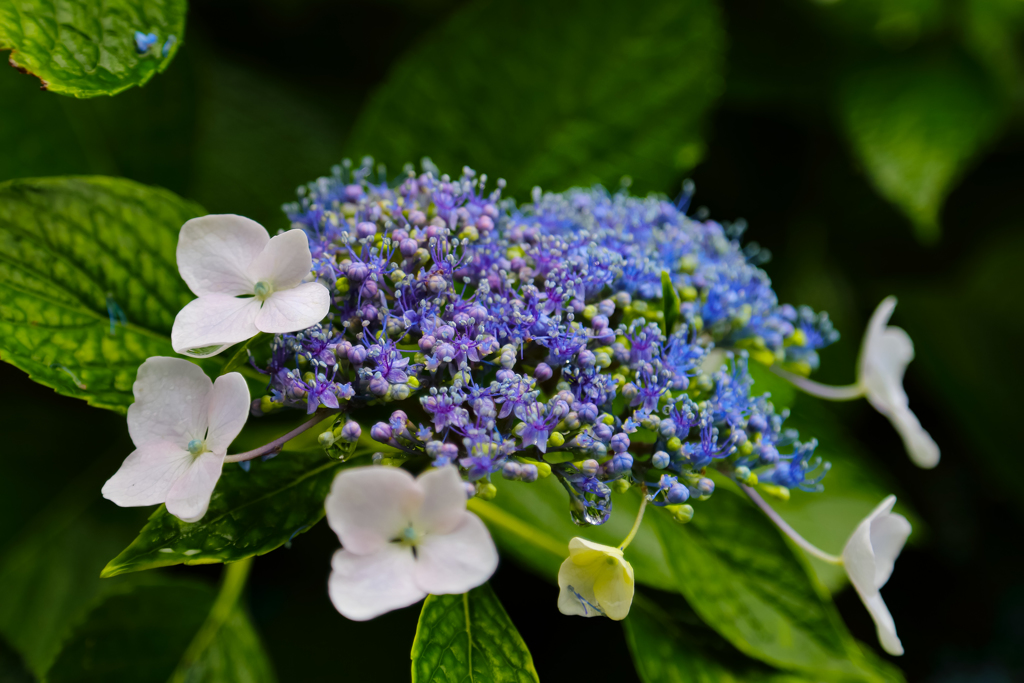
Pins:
<point x="595" y="581"/>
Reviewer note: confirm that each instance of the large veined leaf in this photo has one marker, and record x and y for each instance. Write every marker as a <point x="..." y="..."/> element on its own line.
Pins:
<point x="740" y="576"/>
<point x="251" y="512"/>
<point x="915" y="128"/>
<point x="88" y="281"/>
<point x="670" y="644"/>
<point x="469" y="638"/>
<point x="531" y="522"/>
<point x="86" y="48"/>
<point x="573" y="92"/>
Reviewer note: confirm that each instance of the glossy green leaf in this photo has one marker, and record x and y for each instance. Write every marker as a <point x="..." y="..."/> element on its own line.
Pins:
<point x="469" y="638"/>
<point x="73" y="253"/>
<point x="251" y="513"/>
<point x="670" y="644"/>
<point x="87" y="48"/>
<point x="740" y="576"/>
<point x="571" y="94"/>
<point x="916" y="128"/>
<point x="531" y="522"/>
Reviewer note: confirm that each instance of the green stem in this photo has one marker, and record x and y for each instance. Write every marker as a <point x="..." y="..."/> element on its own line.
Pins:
<point x="241" y="355"/>
<point x="235" y="575"/>
<point x="639" y="518"/>
<point x="785" y="528"/>
<point x="495" y="516"/>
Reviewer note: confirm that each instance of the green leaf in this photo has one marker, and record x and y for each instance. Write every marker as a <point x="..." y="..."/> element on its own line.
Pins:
<point x="71" y="251"/>
<point x="531" y="522"/>
<point x="671" y="303"/>
<point x="251" y="513"/>
<point x="561" y="101"/>
<point x="469" y="637"/>
<point x="670" y="644"/>
<point x="740" y="576"/>
<point x="916" y="127"/>
<point x="87" y="48"/>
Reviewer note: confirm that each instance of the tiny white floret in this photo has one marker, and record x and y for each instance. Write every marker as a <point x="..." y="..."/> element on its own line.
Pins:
<point x="884" y="357"/>
<point x="595" y="581"/>
<point x="869" y="557"/>
<point x="181" y="424"/>
<point x="247" y="282"/>
<point x="403" y="538"/>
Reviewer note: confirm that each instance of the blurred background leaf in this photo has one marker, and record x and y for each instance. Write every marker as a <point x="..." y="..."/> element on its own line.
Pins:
<point x="916" y="126"/>
<point x="572" y="93"/>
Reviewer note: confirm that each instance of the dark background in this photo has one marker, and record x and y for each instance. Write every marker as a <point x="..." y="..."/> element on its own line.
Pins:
<point x="263" y="97"/>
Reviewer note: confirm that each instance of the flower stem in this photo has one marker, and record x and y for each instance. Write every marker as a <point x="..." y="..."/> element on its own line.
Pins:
<point x="811" y="549"/>
<point x="276" y="445"/>
<point x="639" y="518"/>
<point x="825" y="391"/>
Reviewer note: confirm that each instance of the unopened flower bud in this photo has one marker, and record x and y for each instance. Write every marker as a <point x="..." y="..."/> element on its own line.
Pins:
<point x="485" y="490"/>
<point x="620" y="442"/>
<point x="381" y="432"/>
<point x="621" y="462"/>
<point x="590" y="467"/>
<point x="366" y="229"/>
<point x="677" y="494"/>
<point x="378" y="385"/>
<point x="660" y="460"/>
<point x="705" y="486"/>
<point x="351" y="431"/>
<point x="326" y="439"/>
<point x="680" y="513"/>
<point x="511" y="470"/>
<point x="543" y="372"/>
<point x="529" y="473"/>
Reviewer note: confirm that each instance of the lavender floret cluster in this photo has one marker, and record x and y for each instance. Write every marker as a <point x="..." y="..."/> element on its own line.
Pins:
<point x="597" y="337"/>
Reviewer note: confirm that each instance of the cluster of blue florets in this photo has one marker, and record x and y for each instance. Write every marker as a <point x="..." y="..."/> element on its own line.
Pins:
<point x="597" y="337"/>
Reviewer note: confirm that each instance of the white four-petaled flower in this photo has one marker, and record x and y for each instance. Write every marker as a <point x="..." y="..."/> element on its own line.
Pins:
<point x="247" y="282"/>
<point x="869" y="557"/>
<point x="403" y="538"/>
<point x="181" y="424"/>
<point x="595" y="581"/>
<point x="884" y="357"/>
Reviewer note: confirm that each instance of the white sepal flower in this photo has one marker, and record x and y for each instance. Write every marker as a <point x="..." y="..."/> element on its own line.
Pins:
<point x="595" y="581"/>
<point x="181" y="424"/>
<point x="869" y="557"/>
<point x="403" y="538"/>
<point x="884" y="357"/>
<point x="247" y="282"/>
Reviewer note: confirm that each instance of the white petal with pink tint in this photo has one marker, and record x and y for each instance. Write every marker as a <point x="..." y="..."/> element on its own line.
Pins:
<point x="181" y="424"/>
<point x="403" y="538"/>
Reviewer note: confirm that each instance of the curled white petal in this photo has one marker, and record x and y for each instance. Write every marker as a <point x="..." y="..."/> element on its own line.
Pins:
<point x="214" y="253"/>
<point x="366" y="586"/>
<point x="457" y="561"/>
<point x="210" y="324"/>
<point x="171" y="402"/>
<point x="869" y="557"/>
<point x="884" y="357"/>
<point x="290" y="310"/>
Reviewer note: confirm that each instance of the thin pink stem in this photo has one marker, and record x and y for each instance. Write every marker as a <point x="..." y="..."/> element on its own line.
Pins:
<point x="787" y="529"/>
<point x="825" y="391"/>
<point x="277" y="444"/>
